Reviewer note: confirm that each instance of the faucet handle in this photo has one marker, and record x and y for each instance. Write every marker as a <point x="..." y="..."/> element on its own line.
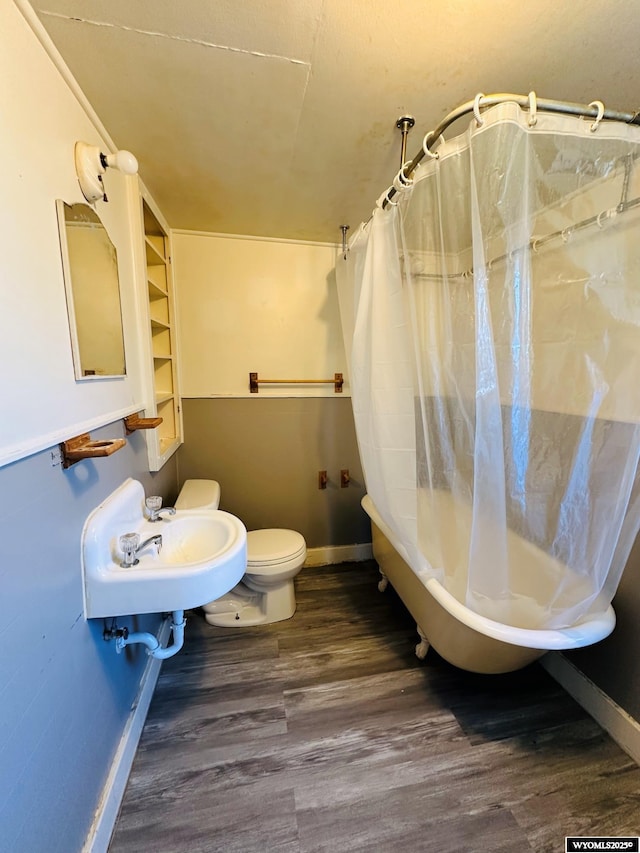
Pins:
<point x="154" y="507"/>
<point x="129" y="543"/>
<point x="153" y="503"/>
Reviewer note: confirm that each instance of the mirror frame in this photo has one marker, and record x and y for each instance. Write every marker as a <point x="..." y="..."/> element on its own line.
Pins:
<point x="71" y="305"/>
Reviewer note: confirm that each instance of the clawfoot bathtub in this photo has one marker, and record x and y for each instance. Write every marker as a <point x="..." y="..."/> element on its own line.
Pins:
<point x="462" y="637"/>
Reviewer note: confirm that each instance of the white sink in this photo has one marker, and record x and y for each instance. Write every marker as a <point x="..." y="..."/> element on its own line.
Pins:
<point x="203" y="555"/>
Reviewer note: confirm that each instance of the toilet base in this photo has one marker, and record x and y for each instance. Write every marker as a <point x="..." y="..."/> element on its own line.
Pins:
<point x="243" y="607"/>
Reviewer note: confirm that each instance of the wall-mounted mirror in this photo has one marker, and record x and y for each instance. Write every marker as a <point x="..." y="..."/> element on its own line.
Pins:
<point x="90" y="264"/>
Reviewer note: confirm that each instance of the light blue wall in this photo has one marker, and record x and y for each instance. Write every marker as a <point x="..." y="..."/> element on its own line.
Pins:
<point x="65" y="694"/>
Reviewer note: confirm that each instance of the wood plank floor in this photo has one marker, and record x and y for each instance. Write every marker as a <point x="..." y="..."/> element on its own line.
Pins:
<point x="326" y="733"/>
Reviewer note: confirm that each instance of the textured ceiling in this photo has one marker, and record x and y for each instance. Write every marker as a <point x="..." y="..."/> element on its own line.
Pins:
<point x="277" y="117"/>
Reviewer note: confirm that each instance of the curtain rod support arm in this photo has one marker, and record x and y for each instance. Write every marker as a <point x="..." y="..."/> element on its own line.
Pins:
<point x="404" y="125"/>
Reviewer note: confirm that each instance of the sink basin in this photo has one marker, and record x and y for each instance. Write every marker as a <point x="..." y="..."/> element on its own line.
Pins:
<point x="203" y="555"/>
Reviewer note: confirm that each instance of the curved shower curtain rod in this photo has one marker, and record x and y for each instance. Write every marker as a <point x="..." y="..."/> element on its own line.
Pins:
<point x="567" y="108"/>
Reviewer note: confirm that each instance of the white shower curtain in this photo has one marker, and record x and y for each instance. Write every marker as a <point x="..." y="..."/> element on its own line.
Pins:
<point x="492" y="321"/>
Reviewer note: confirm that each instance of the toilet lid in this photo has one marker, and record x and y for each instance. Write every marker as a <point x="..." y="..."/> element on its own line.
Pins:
<point x="273" y="545"/>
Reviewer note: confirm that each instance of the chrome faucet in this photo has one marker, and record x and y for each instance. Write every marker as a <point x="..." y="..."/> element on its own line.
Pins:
<point x="154" y="507"/>
<point x="131" y="546"/>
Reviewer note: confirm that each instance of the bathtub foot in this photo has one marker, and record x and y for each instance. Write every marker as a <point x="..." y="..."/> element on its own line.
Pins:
<point x="423" y="646"/>
<point x="383" y="583"/>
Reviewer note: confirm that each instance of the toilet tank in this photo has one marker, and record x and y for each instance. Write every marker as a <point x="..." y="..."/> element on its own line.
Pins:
<point x="199" y="494"/>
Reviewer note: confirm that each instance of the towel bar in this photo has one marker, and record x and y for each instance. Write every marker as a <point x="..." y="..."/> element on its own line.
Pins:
<point x="337" y="382"/>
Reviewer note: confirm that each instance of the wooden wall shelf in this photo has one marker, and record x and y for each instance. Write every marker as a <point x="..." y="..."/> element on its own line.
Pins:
<point x="82" y="447"/>
<point x="135" y="422"/>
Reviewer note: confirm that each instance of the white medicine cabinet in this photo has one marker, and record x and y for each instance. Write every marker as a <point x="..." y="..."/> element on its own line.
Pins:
<point x="158" y="337"/>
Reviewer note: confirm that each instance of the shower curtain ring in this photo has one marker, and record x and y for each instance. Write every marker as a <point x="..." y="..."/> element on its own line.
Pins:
<point x="533" y="109"/>
<point x="476" y="108"/>
<point x="385" y="199"/>
<point x="425" y="147"/>
<point x="594" y="126"/>
<point x="603" y="213"/>
<point x="401" y="180"/>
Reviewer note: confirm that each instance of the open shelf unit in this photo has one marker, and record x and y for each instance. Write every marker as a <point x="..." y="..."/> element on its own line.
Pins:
<point x="162" y="393"/>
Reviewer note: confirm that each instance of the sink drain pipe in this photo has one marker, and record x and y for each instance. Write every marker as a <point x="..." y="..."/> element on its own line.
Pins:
<point x="154" y="649"/>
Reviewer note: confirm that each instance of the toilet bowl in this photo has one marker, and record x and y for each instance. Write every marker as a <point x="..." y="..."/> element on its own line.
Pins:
<point x="266" y="592"/>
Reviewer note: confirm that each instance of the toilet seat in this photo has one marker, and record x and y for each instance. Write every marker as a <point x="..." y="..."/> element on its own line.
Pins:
<point x="273" y="548"/>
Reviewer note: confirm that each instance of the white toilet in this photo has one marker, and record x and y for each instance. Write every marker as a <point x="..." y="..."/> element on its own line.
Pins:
<point x="274" y="557"/>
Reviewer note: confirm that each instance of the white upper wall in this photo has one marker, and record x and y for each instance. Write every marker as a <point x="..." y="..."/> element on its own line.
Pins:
<point x="255" y="305"/>
<point x="42" y="403"/>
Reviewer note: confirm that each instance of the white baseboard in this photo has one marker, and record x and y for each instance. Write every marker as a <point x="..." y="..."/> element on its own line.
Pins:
<point x="331" y="554"/>
<point x="622" y="727"/>
<point x="99" y="836"/>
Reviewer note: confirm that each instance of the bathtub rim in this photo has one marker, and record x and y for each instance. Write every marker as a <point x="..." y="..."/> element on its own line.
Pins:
<point x="584" y="633"/>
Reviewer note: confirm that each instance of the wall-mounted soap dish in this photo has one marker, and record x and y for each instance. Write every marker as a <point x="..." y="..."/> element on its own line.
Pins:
<point x="134" y="422"/>
<point x="82" y="447"/>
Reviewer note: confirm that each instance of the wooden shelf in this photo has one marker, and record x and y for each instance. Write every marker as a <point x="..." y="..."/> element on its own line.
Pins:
<point x="161" y="340"/>
<point x="166" y="444"/>
<point x="156" y="292"/>
<point x="82" y="447"/>
<point x="135" y="422"/>
<point x="154" y="255"/>
<point x="157" y="324"/>
<point x="159" y="311"/>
